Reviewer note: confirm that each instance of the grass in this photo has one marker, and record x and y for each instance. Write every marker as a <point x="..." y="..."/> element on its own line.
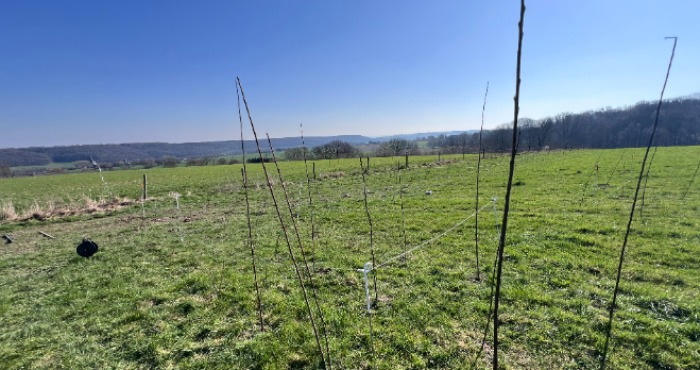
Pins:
<point x="174" y="288"/>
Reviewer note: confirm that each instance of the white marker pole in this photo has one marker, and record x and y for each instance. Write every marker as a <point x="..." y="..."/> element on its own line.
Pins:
<point x="495" y="211"/>
<point x="365" y="270"/>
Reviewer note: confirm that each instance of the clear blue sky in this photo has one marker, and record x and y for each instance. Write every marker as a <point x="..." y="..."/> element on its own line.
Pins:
<point x="86" y="72"/>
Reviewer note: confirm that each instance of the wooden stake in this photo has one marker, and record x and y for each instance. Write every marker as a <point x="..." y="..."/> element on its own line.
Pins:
<point x="506" y="206"/>
<point x="634" y="204"/>
<point x="145" y="186"/>
<point x="244" y="176"/>
<point x="300" y="278"/>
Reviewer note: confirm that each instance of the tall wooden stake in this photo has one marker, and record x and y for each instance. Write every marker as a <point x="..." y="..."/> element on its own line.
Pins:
<point x="506" y="206"/>
<point x="310" y="277"/>
<point x="284" y="231"/>
<point x="244" y="174"/>
<point x="634" y="204"/>
<point x="311" y="202"/>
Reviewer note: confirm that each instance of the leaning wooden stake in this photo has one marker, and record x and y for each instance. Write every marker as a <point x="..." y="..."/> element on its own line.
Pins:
<point x="615" y="167"/>
<point x="314" y="294"/>
<point x="284" y="229"/>
<point x="506" y="206"/>
<point x="478" y="174"/>
<point x="690" y="184"/>
<point x="634" y="204"/>
<point x="646" y="180"/>
<point x="244" y="174"/>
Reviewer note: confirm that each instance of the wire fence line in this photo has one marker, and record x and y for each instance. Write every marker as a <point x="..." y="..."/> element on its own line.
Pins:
<point x="418" y="246"/>
<point x="492" y="203"/>
<point x="431" y="240"/>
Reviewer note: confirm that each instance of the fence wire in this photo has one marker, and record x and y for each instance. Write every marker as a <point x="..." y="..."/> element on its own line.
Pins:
<point x="431" y="240"/>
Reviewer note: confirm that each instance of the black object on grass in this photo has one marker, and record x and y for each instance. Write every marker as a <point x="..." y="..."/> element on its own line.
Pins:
<point x="87" y="248"/>
<point x="7" y="238"/>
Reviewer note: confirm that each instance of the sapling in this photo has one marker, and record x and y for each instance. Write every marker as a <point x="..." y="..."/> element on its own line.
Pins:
<point x="488" y="316"/>
<point x="506" y="205"/>
<point x="478" y="174"/>
<point x="631" y="217"/>
<point x="311" y="202"/>
<point x="476" y="230"/>
<point x="284" y="229"/>
<point x="244" y="175"/>
<point x="301" y="249"/>
<point x="691" y="182"/>
<point x="371" y="230"/>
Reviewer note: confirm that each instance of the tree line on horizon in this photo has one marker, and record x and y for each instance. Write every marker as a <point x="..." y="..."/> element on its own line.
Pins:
<point x="604" y="128"/>
<point x="679" y="125"/>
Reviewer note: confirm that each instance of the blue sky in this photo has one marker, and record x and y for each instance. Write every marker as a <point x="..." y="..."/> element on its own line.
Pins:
<point x="88" y="72"/>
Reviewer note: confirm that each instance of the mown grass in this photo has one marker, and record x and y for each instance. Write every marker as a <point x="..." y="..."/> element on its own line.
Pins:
<point x="173" y="288"/>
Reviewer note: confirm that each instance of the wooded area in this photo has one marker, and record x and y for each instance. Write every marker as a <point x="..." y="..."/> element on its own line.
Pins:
<point x="679" y="124"/>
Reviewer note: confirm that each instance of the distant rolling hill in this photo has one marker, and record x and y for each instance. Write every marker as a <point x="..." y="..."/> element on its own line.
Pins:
<point x="112" y="153"/>
<point x="37" y="156"/>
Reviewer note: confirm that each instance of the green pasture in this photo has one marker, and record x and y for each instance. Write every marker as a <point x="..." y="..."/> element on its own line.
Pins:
<point x="173" y="287"/>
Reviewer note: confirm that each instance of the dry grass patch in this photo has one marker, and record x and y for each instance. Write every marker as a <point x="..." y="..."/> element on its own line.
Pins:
<point x="7" y="212"/>
<point x="332" y="175"/>
<point x="51" y="209"/>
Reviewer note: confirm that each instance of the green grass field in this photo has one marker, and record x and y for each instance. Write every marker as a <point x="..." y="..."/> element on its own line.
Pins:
<point x="173" y="288"/>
